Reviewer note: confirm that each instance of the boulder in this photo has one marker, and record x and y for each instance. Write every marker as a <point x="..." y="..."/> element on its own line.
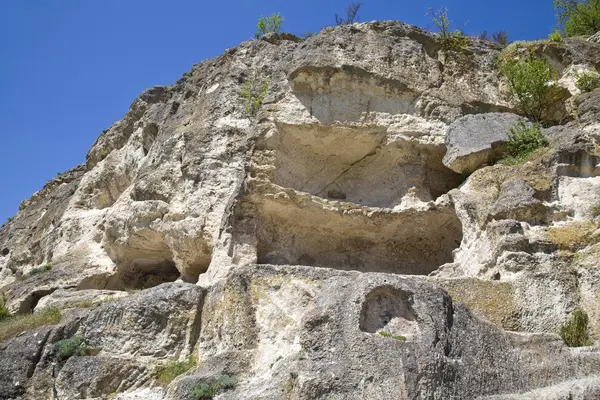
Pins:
<point x="474" y="141"/>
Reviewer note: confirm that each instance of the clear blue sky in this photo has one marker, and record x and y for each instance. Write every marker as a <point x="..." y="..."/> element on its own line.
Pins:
<point x="70" y="68"/>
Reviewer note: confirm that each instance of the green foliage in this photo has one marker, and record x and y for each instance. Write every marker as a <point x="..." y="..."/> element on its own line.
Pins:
<point x="575" y="332"/>
<point x="66" y="348"/>
<point x="578" y="17"/>
<point x="4" y="313"/>
<point x="596" y="210"/>
<point x="587" y="81"/>
<point x="528" y="79"/>
<point x="12" y="326"/>
<point x="272" y="23"/>
<point x="351" y="15"/>
<point x="449" y="40"/>
<point x="254" y="93"/>
<point x="399" y="338"/>
<point x="523" y="141"/>
<point x="166" y="373"/>
<point x="44" y="268"/>
<point x="555" y="37"/>
<point x="208" y="390"/>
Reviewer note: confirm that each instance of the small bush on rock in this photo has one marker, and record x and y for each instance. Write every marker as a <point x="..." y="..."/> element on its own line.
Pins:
<point x="449" y="40"/>
<point x="523" y="140"/>
<point x="529" y="80"/>
<point x="254" y="92"/>
<point x="4" y="313"/>
<point x="575" y="332"/>
<point x="555" y="37"/>
<point x="270" y="24"/>
<point x="67" y="348"/>
<point x="351" y="15"/>
<point x="500" y="37"/>
<point x="166" y="373"/>
<point x="587" y="81"/>
<point x="208" y="390"/>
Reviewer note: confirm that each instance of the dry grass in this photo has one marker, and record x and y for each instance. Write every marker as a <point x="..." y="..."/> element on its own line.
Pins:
<point x="574" y="236"/>
<point x="491" y="300"/>
<point x="12" y="326"/>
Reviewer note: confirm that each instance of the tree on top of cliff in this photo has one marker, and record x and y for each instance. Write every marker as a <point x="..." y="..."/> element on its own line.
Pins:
<point x="578" y="17"/>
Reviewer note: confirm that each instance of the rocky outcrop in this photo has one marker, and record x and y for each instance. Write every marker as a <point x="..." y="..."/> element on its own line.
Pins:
<point x="327" y="245"/>
<point x="595" y="38"/>
<point x="477" y="140"/>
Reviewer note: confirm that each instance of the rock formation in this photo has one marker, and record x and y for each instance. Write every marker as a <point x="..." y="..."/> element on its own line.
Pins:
<point x="327" y="244"/>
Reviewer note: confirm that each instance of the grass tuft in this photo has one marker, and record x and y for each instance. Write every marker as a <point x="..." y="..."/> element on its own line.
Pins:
<point x="399" y="338"/>
<point x="575" y="332"/>
<point x="165" y="374"/>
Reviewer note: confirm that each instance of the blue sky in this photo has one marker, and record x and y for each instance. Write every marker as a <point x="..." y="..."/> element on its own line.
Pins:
<point x="70" y="68"/>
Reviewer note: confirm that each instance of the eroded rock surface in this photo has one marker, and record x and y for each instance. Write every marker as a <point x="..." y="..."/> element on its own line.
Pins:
<point x="289" y="251"/>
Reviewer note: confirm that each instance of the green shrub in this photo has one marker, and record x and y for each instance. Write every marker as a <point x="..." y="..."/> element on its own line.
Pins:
<point x="449" y="40"/>
<point x="12" y="326"/>
<point x="66" y="348"/>
<point x="272" y="23"/>
<point x="555" y="37"/>
<point x="587" y="81"/>
<point x="254" y="93"/>
<point x="166" y="373"/>
<point x="4" y="313"/>
<point x="208" y="390"/>
<point x="39" y="270"/>
<point x="578" y="17"/>
<point x="523" y="141"/>
<point x="528" y="79"/>
<point x="575" y="332"/>
<point x="351" y="15"/>
<point x="399" y="338"/>
<point x="596" y="210"/>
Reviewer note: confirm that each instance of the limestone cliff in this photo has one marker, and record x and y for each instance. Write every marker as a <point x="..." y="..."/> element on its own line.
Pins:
<point x="326" y="244"/>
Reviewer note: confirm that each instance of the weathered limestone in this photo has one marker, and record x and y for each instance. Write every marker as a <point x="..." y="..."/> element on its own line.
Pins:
<point x="276" y="248"/>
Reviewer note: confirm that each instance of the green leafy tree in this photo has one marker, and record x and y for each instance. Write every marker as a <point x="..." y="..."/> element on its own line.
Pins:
<point x="578" y="17"/>
<point x="272" y="23"/>
<point x="529" y="84"/>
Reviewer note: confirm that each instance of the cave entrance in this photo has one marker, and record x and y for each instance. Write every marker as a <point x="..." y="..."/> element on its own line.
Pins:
<point x="144" y="261"/>
<point x="413" y="242"/>
<point x="359" y="165"/>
